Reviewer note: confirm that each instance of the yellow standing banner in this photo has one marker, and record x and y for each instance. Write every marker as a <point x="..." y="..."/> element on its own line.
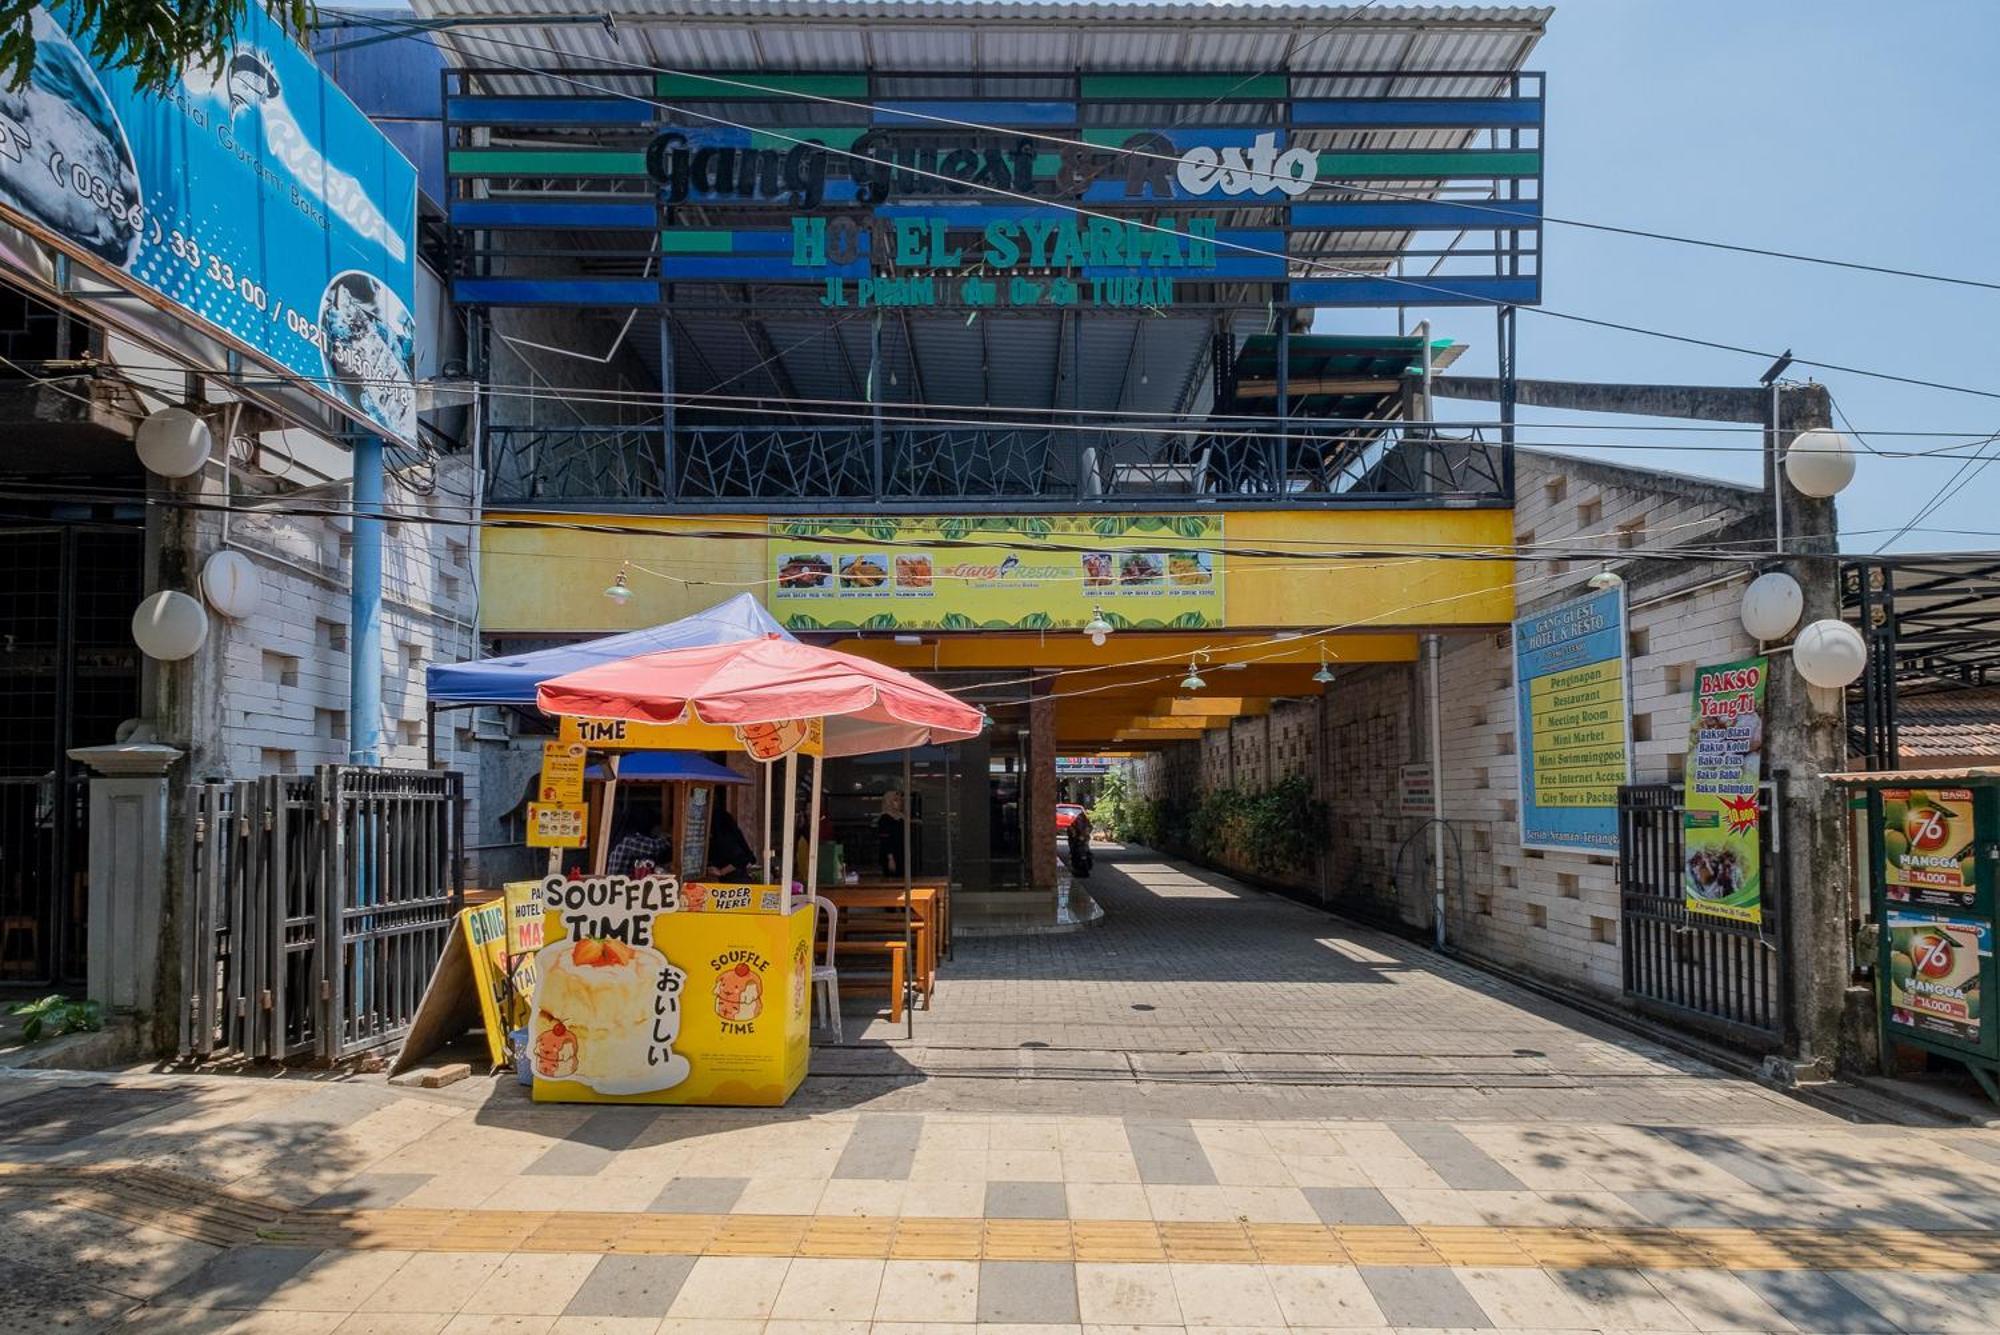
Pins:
<point x="558" y="824"/>
<point x="649" y="991"/>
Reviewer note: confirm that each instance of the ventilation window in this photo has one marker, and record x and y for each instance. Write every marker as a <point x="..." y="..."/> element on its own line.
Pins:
<point x="1630" y="535"/>
<point x="1639" y="642"/>
<point x="280" y="669"/>
<point x="1569" y="885"/>
<point x="1509" y="810"/>
<point x="330" y="635"/>
<point x="1677" y="767"/>
<point x="1538" y="916"/>
<point x="1510" y="877"/>
<point x="1507" y="743"/>
<point x="1557" y="489"/>
<point x="330" y="724"/>
<point x="1483" y="905"/>
<point x="1642" y="727"/>
<point x="1590" y="513"/>
<point x="1604" y="931"/>
<point x="448" y="587"/>
<point x="1524" y="541"/>
<point x="274" y="761"/>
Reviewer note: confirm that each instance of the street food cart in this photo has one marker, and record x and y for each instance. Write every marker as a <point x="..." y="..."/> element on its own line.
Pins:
<point x="1933" y="855"/>
<point x="666" y="988"/>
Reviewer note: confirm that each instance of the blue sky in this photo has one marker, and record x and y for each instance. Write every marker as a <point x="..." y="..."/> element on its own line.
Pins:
<point x="1835" y="128"/>
<point x="1831" y="127"/>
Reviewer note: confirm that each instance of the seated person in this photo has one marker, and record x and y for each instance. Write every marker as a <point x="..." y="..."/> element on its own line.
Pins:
<point x="729" y="857"/>
<point x="643" y="845"/>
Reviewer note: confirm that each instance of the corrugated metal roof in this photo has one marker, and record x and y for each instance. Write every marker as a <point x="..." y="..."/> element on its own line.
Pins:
<point x="993" y="35"/>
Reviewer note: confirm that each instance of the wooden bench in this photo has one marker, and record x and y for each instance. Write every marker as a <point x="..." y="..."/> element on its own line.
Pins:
<point x="883" y="927"/>
<point x="898" y="966"/>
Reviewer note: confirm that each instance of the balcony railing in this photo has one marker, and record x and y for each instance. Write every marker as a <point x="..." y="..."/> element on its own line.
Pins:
<point x="792" y="468"/>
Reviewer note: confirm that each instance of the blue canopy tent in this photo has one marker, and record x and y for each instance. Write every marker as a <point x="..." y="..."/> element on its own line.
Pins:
<point x="512" y="679"/>
<point x="666" y="767"/>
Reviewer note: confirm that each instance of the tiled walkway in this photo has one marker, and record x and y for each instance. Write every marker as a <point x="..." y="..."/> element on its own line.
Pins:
<point x="1195" y="1166"/>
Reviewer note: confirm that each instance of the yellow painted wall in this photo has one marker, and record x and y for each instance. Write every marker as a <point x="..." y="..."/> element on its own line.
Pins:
<point x="550" y="578"/>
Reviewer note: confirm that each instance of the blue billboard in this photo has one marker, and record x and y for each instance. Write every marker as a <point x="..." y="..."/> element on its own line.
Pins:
<point x="1571" y="711"/>
<point x="254" y="197"/>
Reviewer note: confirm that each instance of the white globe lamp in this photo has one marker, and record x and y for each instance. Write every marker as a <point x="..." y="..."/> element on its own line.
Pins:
<point x="1829" y="654"/>
<point x="169" y="626"/>
<point x="173" y="442"/>
<point x="1772" y="605"/>
<point x="1820" y="462"/>
<point x="230" y="583"/>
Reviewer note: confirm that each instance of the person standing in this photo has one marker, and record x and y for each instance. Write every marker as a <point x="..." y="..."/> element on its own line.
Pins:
<point x="889" y="827"/>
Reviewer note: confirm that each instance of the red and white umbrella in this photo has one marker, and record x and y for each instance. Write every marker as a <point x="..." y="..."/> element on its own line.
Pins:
<point x="867" y="707"/>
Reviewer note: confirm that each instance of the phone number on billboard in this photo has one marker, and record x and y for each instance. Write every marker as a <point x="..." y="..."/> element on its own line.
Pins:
<point x="93" y="189"/>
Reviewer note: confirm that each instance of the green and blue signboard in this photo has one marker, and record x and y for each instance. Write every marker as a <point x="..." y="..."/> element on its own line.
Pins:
<point x="1570" y="703"/>
<point x="254" y="197"/>
<point x="1073" y="190"/>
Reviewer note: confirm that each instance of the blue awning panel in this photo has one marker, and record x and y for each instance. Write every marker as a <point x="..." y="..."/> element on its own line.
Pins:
<point x="512" y="680"/>
<point x="668" y="767"/>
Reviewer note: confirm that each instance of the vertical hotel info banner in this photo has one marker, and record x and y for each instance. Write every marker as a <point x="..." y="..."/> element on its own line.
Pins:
<point x="1570" y="703"/>
<point x="253" y="196"/>
<point x="1053" y="572"/>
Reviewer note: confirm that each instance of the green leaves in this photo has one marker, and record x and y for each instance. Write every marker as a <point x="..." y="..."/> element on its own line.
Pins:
<point x="154" y="41"/>
<point x="880" y="621"/>
<point x="957" y="621"/>
<point x="56" y="1015"/>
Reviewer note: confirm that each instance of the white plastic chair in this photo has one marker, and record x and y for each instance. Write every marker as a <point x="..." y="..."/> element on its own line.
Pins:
<point x="826" y="978"/>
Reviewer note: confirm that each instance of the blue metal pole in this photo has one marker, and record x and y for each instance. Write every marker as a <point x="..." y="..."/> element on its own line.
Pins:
<point x="364" y="632"/>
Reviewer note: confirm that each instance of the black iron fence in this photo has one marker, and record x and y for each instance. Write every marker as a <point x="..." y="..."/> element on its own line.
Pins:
<point x="319" y="906"/>
<point x="44" y="848"/>
<point x="1728" y="978"/>
<point x="1312" y="463"/>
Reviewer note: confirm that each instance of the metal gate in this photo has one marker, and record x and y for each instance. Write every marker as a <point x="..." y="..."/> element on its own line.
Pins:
<point x="1727" y="978"/>
<point x="319" y="905"/>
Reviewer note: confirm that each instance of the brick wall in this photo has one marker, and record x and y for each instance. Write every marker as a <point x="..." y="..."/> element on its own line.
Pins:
<point x="274" y="693"/>
<point x="1553" y="915"/>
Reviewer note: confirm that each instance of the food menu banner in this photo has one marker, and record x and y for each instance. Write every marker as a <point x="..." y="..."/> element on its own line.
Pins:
<point x="1570" y="706"/>
<point x="1935" y="968"/>
<point x="1054" y="572"/>
<point x="1722" y="876"/>
<point x="1928" y="848"/>
<point x="253" y="196"/>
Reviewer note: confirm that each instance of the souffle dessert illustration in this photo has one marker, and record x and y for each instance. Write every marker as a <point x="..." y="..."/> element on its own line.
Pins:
<point x="739" y="994"/>
<point x="768" y="741"/>
<point x="595" y="1016"/>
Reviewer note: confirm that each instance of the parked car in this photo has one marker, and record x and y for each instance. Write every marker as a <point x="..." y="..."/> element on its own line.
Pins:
<point x="1066" y="814"/>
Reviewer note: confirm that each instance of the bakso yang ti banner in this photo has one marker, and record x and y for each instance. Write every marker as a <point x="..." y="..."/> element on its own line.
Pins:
<point x="1725" y="762"/>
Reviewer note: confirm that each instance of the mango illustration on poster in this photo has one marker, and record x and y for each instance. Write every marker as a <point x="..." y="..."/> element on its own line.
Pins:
<point x="1935" y="964"/>
<point x="1723" y="875"/>
<point x="1927" y="847"/>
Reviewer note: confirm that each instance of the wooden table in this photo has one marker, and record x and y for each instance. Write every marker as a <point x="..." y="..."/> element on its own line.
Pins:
<point x="924" y="926"/>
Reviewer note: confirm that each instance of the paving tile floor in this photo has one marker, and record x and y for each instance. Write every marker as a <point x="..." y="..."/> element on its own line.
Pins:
<point x="1218" y="1111"/>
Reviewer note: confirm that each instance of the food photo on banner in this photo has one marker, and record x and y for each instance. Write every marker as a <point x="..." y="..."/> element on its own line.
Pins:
<point x="254" y="196"/>
<point x="1722" y="876"/>
<point x="1570" y="706"/>
<point x="1140" y="572"/>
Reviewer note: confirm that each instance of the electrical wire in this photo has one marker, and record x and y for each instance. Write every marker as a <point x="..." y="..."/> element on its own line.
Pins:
<point x="1301" y="431"/>
<point x="1238" y="247"/>
<point x="1267" y="176"/>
